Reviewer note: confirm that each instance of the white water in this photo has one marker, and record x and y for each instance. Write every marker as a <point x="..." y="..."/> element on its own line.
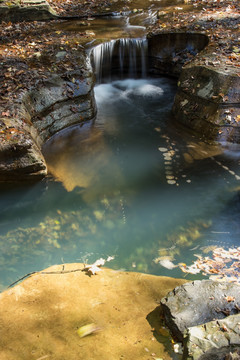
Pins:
<point x="120" y="58"/>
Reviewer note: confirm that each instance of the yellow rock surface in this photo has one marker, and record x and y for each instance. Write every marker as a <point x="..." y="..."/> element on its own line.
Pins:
<point x="40" y="317"/>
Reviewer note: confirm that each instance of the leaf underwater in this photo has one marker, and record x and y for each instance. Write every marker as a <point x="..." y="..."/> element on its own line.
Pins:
<point x="87" y="330"/>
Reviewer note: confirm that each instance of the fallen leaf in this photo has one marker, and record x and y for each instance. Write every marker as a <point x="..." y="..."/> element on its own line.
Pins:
<point x="230" y="298"/>
<point x="87" y="330"/>
<point x="6" y="113"/>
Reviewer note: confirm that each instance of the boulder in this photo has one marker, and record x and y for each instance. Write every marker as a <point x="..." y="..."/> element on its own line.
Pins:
<point x="27" y="10"/>
<point x="197" y="303"/>
<point x="208" y="98"/>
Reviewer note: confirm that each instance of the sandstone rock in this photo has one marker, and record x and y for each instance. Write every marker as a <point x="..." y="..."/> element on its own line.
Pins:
<point x="207" y="100"/>
<point x="208" y="95"/>
<point x="197" y="303"/>
<point x="61" y="101"/>
<point x="40" y="317"/>
<point x="49" y="106"/>
<point x="20" y="156"/>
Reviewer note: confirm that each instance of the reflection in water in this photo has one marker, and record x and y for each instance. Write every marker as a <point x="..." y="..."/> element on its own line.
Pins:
<point x="129" y="184"/>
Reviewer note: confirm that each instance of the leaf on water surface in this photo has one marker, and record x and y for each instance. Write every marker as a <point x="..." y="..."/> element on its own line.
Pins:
<point x="222" y="265"/>
<point x="167" y="263"/>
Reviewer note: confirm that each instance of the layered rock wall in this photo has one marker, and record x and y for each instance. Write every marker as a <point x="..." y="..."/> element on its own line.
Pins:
<point x="52" y="105"/>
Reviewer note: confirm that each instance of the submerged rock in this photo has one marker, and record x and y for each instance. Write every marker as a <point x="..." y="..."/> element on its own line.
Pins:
<point x="45" y="315"/>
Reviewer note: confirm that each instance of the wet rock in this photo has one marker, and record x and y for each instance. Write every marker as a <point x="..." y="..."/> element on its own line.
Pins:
<point x="207" y="100"/>
<point x="197" y="303"/>
<point x="168" y="52"/>
<point x="27" y="10"/>
<point x="47" y="313"/>
<point x="20" y="155"/>
<point x="52" y="104"/>
<point x="208" y="95"/>
<point x="61" y="101"/>
<point x="214" y="340"/>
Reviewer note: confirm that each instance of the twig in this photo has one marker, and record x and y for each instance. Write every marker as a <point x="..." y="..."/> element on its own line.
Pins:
<point x="45" y="273"/>
<point x="25" y="276"/>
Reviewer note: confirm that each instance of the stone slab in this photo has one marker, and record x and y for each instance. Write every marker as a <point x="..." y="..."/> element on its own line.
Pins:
<point x="213" y="340"/>
<point x="199" y="302"/>
<point x="40" y="317"/>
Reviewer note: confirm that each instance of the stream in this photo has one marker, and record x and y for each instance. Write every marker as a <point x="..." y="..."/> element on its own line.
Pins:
<point x="131" y="184"/>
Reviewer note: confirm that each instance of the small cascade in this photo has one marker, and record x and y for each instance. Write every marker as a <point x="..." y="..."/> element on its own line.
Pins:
<point x="120" y="59"/>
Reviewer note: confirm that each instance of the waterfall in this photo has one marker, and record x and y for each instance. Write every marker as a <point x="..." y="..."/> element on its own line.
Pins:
<point x="120" y="59"/>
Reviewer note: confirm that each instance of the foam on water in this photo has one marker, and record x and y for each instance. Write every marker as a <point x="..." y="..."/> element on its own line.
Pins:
<point x="126" y="89"/>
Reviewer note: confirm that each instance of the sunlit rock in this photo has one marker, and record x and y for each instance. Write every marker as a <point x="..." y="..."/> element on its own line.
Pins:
<point x="59" y="310"/>
<point x="27" y="10"/>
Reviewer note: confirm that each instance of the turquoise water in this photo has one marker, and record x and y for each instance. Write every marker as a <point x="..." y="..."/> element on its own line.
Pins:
<point x="130" y="184"/>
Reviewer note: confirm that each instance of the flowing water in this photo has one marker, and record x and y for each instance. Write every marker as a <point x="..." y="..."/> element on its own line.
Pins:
<point x="130" y="184"/>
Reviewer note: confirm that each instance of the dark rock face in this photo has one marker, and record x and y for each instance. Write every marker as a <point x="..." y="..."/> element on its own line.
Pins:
<point x="198" y="303"/>
<point x="168" y="52"/>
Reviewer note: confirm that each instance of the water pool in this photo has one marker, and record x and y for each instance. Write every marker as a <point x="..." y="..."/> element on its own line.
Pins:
<point x="130" y="184"/>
